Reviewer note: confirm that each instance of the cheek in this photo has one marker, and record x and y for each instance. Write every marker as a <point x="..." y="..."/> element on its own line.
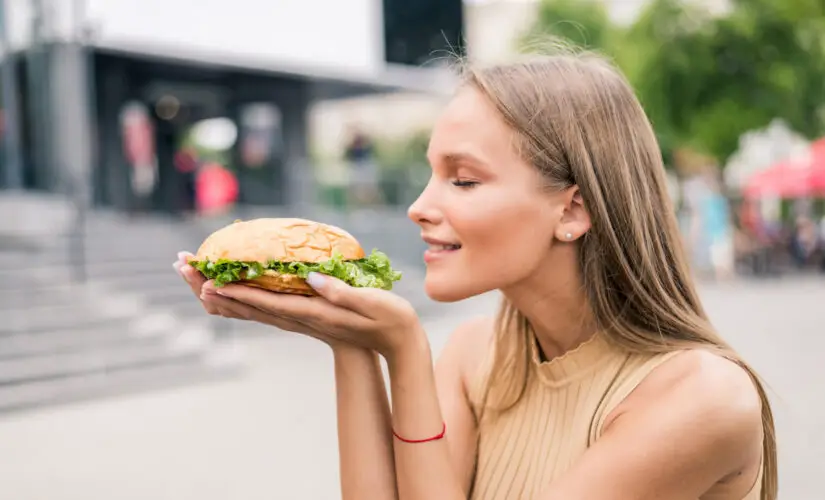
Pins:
<point x="502" y="243"/>
<point x="502" y="232"/>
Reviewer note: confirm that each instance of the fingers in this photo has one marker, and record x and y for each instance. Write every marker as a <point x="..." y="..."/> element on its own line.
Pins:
<point x="230" y="308"/>
<point x="218" y="305"/>
<point x="307" y="310"/>
<point x="360" y="300"/>
<point x="194" y="279"/>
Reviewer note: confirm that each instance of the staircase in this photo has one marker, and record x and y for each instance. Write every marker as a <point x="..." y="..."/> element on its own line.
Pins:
<point x="114" y="333"/>
<point x="133" y="324"/>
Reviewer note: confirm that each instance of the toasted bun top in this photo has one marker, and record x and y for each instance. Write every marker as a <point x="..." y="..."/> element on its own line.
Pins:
<point x="284" y="240"/>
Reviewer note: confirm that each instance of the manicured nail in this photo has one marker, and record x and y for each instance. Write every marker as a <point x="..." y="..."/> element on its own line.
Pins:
<point x="177" y="266"/>
<point x="316" y="280"/>
<point x="182" y="256"/>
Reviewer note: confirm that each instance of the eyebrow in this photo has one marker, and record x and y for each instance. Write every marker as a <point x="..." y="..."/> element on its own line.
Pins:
<point x="457" y="158"/>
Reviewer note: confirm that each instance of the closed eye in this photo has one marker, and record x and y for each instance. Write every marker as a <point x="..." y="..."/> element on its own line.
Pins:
<point x="464" y="184"/>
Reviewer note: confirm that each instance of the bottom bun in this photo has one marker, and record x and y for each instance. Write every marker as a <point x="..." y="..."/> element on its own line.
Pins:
<point x="281" y="283"/>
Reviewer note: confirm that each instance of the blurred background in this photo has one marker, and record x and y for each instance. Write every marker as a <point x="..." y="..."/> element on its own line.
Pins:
<point x="131" y="130"/>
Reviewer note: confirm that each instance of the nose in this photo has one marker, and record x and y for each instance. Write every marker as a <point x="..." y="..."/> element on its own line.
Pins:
<point x="423" y="210"/>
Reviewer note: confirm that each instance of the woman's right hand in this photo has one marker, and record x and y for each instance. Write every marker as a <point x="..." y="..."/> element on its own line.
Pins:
<point x="229" y="308"/>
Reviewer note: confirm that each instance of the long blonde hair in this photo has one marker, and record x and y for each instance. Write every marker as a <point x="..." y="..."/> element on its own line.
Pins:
<point x="578" y="122"/>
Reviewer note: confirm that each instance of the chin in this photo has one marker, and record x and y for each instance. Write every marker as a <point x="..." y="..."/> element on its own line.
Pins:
<point x="451" y="291"/>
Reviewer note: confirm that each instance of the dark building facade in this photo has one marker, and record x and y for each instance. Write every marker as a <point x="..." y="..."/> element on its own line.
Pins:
<point x="69" y="98"/>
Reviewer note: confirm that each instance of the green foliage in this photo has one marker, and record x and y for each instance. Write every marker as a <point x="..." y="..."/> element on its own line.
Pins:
<point x="406" y="152"/>
<point x="705" y="80"/>
<point x="582" y="22"/>
<point x="205" y="154"/>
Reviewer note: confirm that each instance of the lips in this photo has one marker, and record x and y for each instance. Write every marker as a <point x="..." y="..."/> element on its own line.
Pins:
<point x="442" y="248"/>
<point x="436" y="242"/>
<point x="437" y="248"/>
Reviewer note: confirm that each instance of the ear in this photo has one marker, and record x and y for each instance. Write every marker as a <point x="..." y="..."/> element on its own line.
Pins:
<point x="575" y="220"/>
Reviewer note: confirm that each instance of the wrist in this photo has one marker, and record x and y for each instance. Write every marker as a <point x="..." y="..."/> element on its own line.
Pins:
<point x="413" y="351"/>
<point x="342" y="350"/>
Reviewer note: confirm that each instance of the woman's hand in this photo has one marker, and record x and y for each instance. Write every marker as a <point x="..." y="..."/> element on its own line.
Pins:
<point x="364" y="317"/>
<point x="216" y="305"/>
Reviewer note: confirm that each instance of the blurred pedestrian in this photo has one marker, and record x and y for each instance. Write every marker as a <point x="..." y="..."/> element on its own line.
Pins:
<point x="216" y="189"/>
<point x="363" y="169"/>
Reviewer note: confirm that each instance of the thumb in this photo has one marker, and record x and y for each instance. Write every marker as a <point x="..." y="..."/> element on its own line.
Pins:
<point x="335" y="291"/>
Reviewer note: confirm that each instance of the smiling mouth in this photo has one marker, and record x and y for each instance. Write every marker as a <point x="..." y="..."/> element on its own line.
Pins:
<point x="444" y="248"/>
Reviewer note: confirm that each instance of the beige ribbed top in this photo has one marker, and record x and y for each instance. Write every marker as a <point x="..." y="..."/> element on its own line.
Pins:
<point x="560" y="415"/>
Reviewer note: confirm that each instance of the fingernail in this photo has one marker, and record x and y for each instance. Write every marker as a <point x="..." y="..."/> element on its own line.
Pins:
<point x="221" y="292"/>
<point x="182" y="256"/>
<point x="177" y="267"/>
<point x="316" y="280"/>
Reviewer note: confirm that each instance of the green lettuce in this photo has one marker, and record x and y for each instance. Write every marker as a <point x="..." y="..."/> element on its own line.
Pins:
<point x="373" y="271"/>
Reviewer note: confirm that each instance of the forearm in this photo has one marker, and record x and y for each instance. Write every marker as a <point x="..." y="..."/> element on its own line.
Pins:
<point x="364" y="426"/>
<point x="423" y="470"/>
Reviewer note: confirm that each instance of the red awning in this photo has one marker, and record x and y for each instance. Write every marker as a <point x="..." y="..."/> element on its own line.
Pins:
<point x="792" y="179"/>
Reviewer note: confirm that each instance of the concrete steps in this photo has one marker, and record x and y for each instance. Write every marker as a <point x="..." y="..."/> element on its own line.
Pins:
<point x="97" y="358"/>
<point x="154" y="374"/>
<point x="120" y="331"/>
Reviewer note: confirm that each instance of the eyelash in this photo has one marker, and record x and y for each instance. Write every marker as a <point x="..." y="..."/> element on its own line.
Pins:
<point x="464" y="184"/>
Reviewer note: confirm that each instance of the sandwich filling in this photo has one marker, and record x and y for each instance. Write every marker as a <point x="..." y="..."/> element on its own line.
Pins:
<point x="373" y="271"/>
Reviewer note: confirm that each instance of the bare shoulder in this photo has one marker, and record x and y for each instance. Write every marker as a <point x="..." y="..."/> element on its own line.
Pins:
<point x="710" y="380"/>
<point x="468" y="346"/>
<point x="705" y="394"/>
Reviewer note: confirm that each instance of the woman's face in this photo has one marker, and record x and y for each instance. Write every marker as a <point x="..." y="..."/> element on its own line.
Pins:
<point x="488" y="222"/>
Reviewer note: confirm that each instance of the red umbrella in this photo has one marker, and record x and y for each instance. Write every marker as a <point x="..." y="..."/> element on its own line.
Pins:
<point x="791" y="179"/>
<point x="818" y="164"/>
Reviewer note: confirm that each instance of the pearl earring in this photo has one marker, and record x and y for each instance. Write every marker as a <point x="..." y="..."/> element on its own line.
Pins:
<point x="568" y="236"/>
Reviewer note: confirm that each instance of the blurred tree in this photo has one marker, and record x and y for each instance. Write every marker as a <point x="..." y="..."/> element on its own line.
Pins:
<point x="584" y="23"/>
<point x="706" y="79"/>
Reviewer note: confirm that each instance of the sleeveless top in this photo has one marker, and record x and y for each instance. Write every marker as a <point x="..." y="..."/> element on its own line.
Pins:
<point x="561" y="413"/>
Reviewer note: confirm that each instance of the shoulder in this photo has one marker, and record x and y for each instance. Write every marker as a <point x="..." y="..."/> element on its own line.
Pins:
<point x="712" y="381"/>
<point x="691" y="428"/>
<point x="702" y="396"/>
<point x="467" y="349"/>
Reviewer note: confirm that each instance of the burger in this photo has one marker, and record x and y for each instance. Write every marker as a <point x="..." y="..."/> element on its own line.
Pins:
<point x="277" y="254"/>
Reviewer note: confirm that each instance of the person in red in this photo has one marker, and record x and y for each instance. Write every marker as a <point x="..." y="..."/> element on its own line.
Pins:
<point x="216" y="189"/>
<point x="139" y="150"/>
<point x="601" y="376"/>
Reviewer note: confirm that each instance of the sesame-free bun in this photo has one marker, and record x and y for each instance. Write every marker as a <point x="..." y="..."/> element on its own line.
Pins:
<point x="283" y="240"/>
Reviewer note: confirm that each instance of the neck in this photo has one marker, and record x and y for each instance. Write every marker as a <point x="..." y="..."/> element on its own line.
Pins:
<point x="554" y="303"/>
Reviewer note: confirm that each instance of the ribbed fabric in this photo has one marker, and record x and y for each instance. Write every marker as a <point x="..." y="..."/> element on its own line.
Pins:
<point x="560" y="415"/>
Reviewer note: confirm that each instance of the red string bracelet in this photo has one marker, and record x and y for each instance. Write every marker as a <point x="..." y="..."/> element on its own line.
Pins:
<point x="416" y="441"/>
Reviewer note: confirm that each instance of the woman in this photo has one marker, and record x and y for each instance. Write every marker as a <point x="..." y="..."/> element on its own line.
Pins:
<point x="600" y="378"/>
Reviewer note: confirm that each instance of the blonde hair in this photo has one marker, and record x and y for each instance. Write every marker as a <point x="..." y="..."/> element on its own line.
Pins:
<point x="578" y="122"/>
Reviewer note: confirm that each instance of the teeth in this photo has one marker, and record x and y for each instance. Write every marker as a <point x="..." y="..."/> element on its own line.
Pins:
<point x="444" y="247"/>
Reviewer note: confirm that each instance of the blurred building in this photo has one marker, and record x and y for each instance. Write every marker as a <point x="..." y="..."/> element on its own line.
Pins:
<point x="491" y="31"/>
<point x="83" y="71"/>
<point x="491" y="28"/>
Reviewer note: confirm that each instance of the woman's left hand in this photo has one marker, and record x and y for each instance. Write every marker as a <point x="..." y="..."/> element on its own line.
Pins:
<point x="367" y="317"/>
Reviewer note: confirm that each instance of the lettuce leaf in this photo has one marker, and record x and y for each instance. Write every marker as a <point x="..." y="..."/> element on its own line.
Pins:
<point x="373" y="271"/>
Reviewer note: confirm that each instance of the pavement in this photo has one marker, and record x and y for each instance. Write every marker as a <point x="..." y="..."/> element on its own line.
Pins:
<point x="270" y="434"/>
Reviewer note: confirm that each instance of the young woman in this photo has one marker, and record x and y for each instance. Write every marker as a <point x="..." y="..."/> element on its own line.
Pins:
<point x="600" y="377"/>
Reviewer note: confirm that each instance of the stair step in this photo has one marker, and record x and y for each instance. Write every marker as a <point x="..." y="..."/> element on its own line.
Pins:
<point x="189" y="344"/>
<point x="34" y="295"/>
<point x="224" y="361"/>
<point x="47" y="318"/>
<point x="102" y="336"/>
<point x="146" y="324"/>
